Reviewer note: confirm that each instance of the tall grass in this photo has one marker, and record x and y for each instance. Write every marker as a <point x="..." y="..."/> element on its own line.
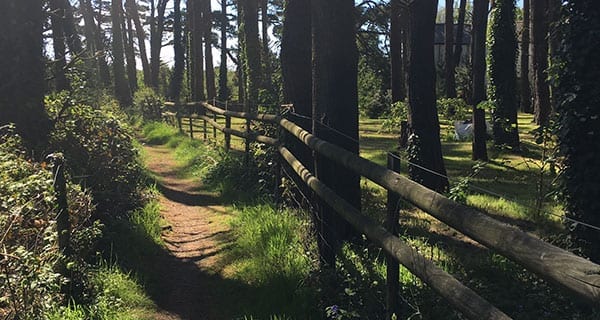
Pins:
<point x="117" y="296"/>
<point x="270" y="250"/>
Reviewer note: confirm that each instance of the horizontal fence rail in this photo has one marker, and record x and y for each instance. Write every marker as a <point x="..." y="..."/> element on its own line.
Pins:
<point x="577" y="275"/>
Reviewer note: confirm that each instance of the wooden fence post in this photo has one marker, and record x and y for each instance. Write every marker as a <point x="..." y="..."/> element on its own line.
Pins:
<point x="227" y="126"/>
<point x="63" y="225"/>
<point x="391" y="224"/>
<point x="191" y="124"/>
<point x="178" y="115"/>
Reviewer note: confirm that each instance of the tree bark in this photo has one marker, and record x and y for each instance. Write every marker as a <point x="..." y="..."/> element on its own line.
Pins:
<point x="425" y="148"/>
<point x="335" y="110"/>
<point x="94" y="43"/>
<point x="211" y="90"/>
<point x="22" y="70"/>
<point x="121" y="89"/>
<point x="223" y="88"/>
<point x="480" y="14"/>
<point x="196" y="50"/>
<point x="177" y="76"/>
<point x="266" y="51"/>
<point x="58" y="44"/>
<point x="450" y="82"/>
<point x="524" y="63"/>
<point x="396" y="51"/>
<point x="539" y="33"/>
<point x="250" y="51"/>
<point x="132" y="11"/>
<point x="460" y="28"/>
<point x="502" y="50"/>
<point x="157" y="25"/>
<point x="130" y="55"/>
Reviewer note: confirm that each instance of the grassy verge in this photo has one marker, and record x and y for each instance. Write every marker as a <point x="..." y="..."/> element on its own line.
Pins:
<point x="267" y="268"/>
<point x="118" y="296"/>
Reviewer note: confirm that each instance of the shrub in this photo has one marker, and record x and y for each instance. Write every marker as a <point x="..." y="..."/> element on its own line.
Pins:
<point x="148" y="103"/>
<point x="99" y="150"/>
<point x="29" y="284"/>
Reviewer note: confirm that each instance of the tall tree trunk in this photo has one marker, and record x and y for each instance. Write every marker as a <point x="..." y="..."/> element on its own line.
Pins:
<point x="335" y="106"/>
<point x="460" y="29"/>
<point x="94" y="43"/>
<point x="266" y="51"/>
<point x="480" y="17"/>
<point x="579" y="119"/>
<point x="130" y="55"/>
<point x="22" y="70"/>
<point x="539" y="40"/>
<point x="122" y="90"/>
<point x="177" y="76"/>
<point x="132" y="11"/>
<point x="223" y="89"/>
<point x="196" y="50"/>
<point x="524" y="63"/>
<point x="157" y="25"/>
<point x="448" y="53"/>
<point x="425" y="148"/>
<point x="58" y="44"/>
<point x="250" y="51"/>
<point x="211" y="90"/>
<point x="502" y="50"/>
<point x="397" y="62"/>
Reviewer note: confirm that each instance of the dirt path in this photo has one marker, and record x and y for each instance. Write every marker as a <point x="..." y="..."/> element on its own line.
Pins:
<point x="195" y="238"/>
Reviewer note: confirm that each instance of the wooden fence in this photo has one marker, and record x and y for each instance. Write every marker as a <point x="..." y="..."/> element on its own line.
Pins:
<point x="578" y="276"/>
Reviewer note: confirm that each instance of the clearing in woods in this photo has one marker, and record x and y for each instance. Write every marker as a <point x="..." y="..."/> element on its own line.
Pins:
<point x="191" y="276"/>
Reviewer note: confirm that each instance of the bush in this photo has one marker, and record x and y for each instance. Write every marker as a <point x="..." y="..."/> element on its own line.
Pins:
<point x="100" y="153"/>
<point x="148" y="103"/>
<point x="453" y="109"/>
<point x="29" y="283"/>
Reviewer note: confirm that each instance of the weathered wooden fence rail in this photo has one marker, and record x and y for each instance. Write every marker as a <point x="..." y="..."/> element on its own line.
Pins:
<point x="575" y="274"/>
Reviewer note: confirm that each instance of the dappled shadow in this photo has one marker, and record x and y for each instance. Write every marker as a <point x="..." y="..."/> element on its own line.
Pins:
<point x="188" y="198"/>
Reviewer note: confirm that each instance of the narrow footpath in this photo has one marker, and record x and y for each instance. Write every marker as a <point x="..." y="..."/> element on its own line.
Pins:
<point x="196" y="235"/>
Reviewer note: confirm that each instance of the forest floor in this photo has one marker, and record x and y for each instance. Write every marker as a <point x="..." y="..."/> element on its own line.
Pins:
<point x="196" y="236"/>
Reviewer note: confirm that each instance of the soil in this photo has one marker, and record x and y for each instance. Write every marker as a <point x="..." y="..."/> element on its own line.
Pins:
<point x="196" y="235"/>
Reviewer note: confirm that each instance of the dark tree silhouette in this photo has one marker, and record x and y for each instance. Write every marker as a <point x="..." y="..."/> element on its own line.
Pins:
<point x="57" y="18"/>
<point x="157" y="26"/>
<point x="211" y="90"/>
<point x="132" y="12"/>
<point x="397" y="28"/>
<point x="480" y="14"/>
<point x="223" y="88"/>
<point x="425" y="148"/>
<point x="178" y="68"/>
<point x="539" y="40"/>
<point x="524" y="63"/>
<point x="22" y="70"/>
<point x="450" y="81"/>
<point x="248" y="11"/>
<point x="335" y="110"/>
<point x="122" y="90"/>
<point x="578" y="108"/>
<point x="502" y="55"/>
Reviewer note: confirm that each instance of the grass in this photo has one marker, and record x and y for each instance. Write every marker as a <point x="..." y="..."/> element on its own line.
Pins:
<point x="270" y="255"/>
<point x="118" y="296"/>
<point x="265" y="269"/>
<point x="357" y="286"/>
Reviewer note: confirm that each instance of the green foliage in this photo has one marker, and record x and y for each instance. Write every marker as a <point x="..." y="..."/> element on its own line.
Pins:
<point x="29" y="283"/>
<point x="158" y="132"/>
<point x="116" y="296"/>
<point x="98" y="146"/>
<point x="271" y="245"/>
<point x="373" y="98"/>
<point x="397" y="113"/>
<point x="578" y="107"/>
<point x="148" y="103"/>
<point x="501" y="61"/>
<point x="453" y="109"/>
